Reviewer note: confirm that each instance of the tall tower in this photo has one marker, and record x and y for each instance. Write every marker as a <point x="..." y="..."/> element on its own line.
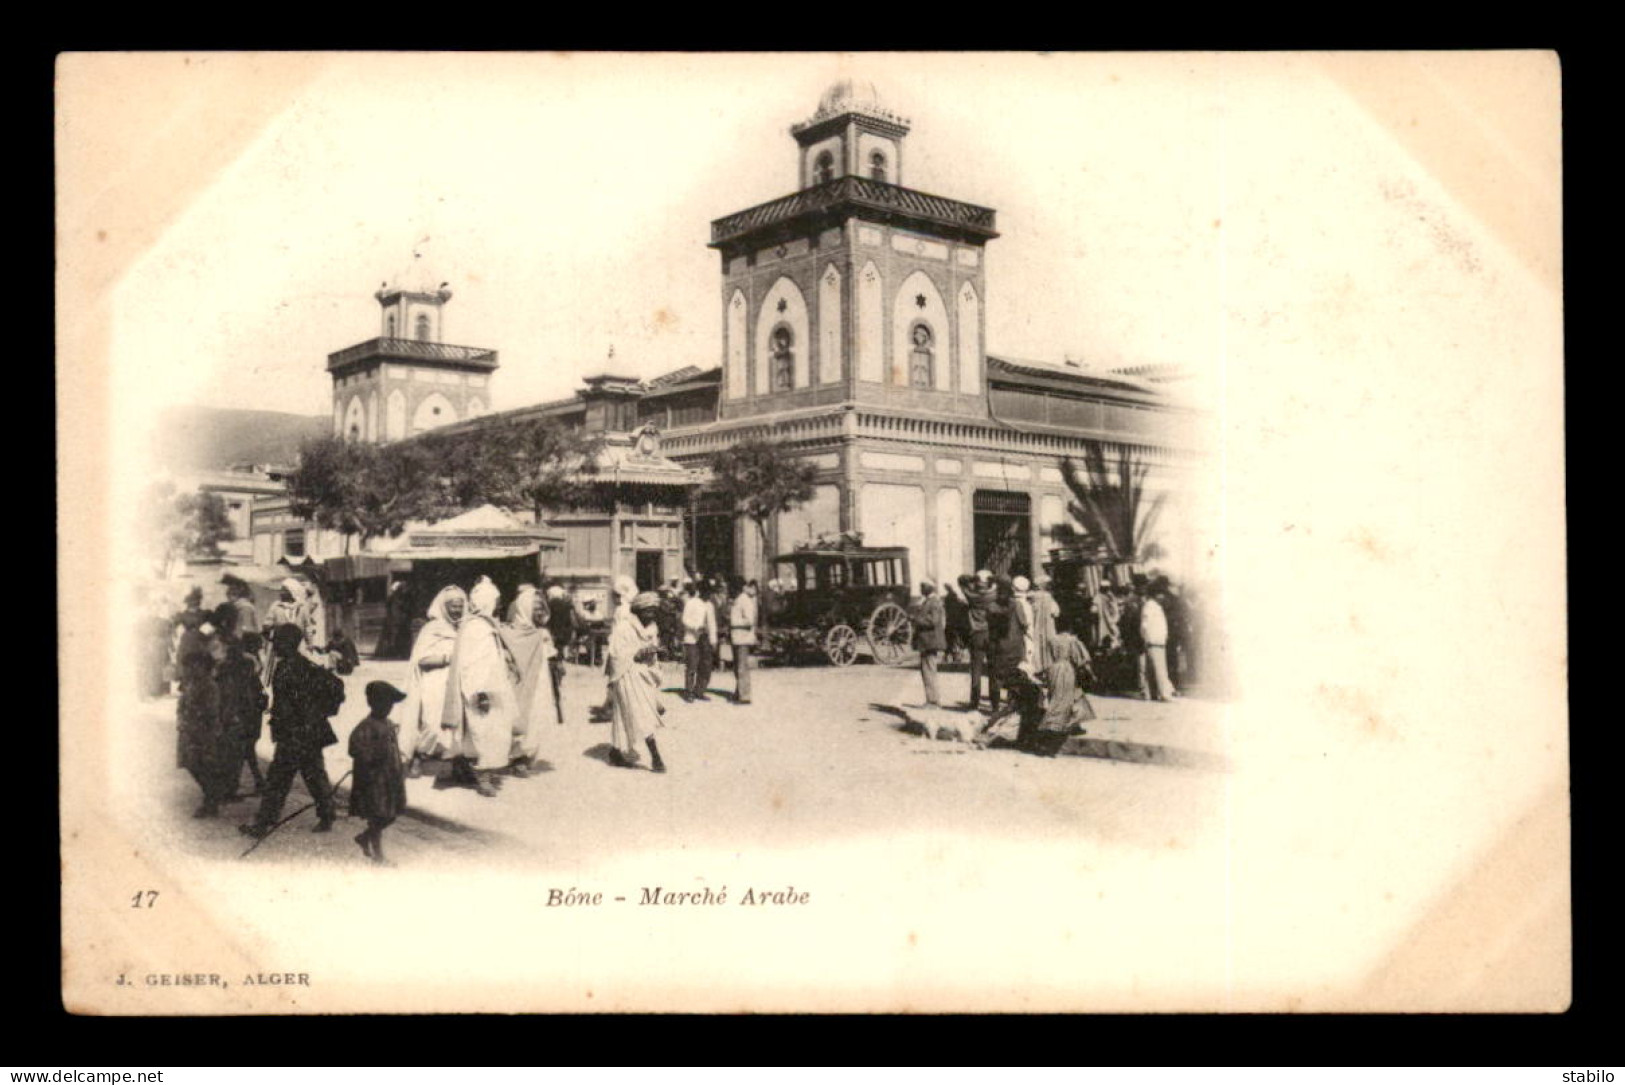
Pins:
<point x="854" y="288"/>
<point x="408" y="380"/>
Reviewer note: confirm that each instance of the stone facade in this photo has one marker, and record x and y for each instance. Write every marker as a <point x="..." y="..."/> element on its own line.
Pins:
<point x="408" y="380"/>
<point x="854" y="332"/>
<point x="853" y="320"/>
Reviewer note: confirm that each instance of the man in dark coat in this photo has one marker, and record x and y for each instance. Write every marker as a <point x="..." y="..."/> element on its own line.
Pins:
<point x="978" y="595"/>
<point x="930" y="637"/>
<point x="197" y="716"/>
<point x="561" y="625"/>
<point x="303" y="697"/>
<point x="242" y="700"/>
<point x="958" y="624"/>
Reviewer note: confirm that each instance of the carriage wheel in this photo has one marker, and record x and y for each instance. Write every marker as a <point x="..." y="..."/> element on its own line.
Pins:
<point x="841" y="645"/>
<point x="890" y="634"/>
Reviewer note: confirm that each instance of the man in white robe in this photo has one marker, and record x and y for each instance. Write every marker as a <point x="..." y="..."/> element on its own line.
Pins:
<point x="486" y="681"/>
<point x="423" y="732"/>
<point x="532" y="648"/>
<point x="633" y="684"/>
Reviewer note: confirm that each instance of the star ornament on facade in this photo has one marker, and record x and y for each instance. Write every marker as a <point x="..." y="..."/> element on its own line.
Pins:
<point x="919" y="301"/>
<point x="783" y="305"/>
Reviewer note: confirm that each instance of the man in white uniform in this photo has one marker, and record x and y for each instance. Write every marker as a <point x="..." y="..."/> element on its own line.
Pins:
<point x="699" y="634"/>
<point x="1154" y="635"/>
<point x="742" y="630"/>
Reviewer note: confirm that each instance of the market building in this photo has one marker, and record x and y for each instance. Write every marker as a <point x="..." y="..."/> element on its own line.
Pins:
<point x="853" y="314"/>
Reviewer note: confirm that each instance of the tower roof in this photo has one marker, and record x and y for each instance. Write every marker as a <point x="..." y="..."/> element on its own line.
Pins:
<point x="848" y="96"/>
<point x="420" y="289"/>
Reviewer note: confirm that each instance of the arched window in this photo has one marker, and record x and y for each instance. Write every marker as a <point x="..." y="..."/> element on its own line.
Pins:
<point x="920" y="357"/>
<point x="877" y="166"/>
<point x="824" y="168"/>
<point x="389" y="326"/>
<point x="423" y="327"/>
<point x="784" y="359"/>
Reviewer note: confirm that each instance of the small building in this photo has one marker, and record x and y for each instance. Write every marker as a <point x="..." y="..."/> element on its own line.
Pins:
<point x="482" y="542"/>
<point x="635" y="526"/>
<point x="238" y="488"/>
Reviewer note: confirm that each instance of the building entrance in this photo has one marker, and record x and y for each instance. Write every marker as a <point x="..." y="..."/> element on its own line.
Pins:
<point x="649" y="569"/>
<point x="1003" y="532"/>
<point x="714" y="544"/>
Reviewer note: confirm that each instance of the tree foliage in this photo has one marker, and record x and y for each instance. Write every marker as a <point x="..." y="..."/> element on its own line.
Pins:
<point x="374" y="490"/>
<point x="361" y="489"/>
<point x="185" y="525"/>
<point x="534" y="465"/>
<point x="1109" y="501"/>
<point x="758" y="478"/>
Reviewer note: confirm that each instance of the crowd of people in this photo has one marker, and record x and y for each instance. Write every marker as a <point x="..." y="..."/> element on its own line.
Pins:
<point x="484" y="688"/>
<point x="485" y="683"/>
<point x="1039" y="658"/>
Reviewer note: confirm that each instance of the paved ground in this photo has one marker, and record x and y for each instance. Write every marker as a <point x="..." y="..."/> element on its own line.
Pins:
<point x="822" y="754"/>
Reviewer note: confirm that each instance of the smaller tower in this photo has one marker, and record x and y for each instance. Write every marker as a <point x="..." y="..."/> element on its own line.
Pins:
<point x="409" y="379"/>
<point x="409" y="314"/>
<point x="852" y="134"/>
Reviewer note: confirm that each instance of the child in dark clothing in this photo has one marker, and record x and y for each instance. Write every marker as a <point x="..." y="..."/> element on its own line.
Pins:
<point x="378" y="788"/>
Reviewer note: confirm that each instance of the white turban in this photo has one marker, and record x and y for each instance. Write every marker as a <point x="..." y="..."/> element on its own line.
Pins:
<point x="295" y="588"/>
<point x="523" y="608"/>
<point x="555" y="592"/>
<point x="437" y="609"/>
<point x="626" y="588"/>
<point x="1021" y="583"/>
<point x="485" y="597"/>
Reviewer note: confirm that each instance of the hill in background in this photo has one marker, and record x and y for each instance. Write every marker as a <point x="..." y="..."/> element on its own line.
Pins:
<point x="214" y="438"/>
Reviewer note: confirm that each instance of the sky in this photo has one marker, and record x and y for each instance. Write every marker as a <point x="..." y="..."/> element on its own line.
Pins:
<point x="567" y="201"/>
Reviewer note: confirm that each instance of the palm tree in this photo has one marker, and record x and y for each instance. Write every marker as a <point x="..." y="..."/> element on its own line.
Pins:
<point x="1110" y="502"/>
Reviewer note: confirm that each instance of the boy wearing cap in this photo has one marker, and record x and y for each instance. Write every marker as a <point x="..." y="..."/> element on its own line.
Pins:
<point x="378" y="790"/>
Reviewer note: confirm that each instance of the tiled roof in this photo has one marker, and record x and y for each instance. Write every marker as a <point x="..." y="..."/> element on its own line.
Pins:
<point x="413" y="350"/>
<point x="676" y="376"/>
<point x="1084" y="379"/>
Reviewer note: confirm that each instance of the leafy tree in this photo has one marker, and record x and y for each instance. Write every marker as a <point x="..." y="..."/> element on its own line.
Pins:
<point x="758" y="478"/>
<point x="373" y="490"/>
<point x="363" y="490"/>
<point x="396" y="483"/>
<point x="1109" y="501"/>
<point x="185" y="525"/>
<point x="534" y="465"/>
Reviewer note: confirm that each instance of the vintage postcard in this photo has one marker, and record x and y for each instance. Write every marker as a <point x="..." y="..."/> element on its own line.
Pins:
<point x="812" y="532"/>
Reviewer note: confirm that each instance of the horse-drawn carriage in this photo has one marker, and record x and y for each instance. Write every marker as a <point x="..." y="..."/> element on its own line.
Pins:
<point x="833" y="598"/>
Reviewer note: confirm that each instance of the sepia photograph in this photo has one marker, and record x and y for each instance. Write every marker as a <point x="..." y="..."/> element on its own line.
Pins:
<point x="861" y="532"/>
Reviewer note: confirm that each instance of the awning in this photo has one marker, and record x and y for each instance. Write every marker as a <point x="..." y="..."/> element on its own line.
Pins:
<point x="649" y="476"/>
<point x="465" y="553"/>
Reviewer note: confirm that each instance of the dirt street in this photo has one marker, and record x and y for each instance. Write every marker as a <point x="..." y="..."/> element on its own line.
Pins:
<point x="821" y="755"/>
